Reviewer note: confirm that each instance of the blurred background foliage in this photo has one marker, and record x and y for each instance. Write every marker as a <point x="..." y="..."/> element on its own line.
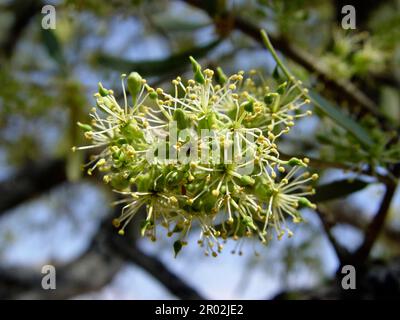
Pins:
<point x="50" y="212"/>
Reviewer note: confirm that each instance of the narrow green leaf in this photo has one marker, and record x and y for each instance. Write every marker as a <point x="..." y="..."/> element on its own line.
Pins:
<point x="148" y="68"/>
<point x="73" y="165"/>
<point x="340" y="118"/>
<point x="52" y="45"/>
<point x="337" y="189"/>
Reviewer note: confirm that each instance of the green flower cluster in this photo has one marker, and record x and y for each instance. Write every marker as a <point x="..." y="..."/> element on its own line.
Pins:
<point x="204" y="155"/>
<point x="340" y="146"/>
<point x="354" y="54"/>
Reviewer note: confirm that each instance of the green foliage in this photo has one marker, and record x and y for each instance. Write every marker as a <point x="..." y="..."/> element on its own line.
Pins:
<point x="346" y="122"/>
<point x="354" y="54"/>
<point x="339" y="145"/>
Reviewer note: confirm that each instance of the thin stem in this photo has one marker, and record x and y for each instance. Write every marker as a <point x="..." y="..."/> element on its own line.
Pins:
<point x="269" y="46"/>
<point x="341" y="252"/>
<point x="324" y="164"/>
<point x="376" y="225"/>
<point x="279" y="62"/>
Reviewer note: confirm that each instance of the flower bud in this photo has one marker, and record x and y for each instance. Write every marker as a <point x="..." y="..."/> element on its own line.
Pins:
<point x="296" y="162"/>
<point x="102" y="91"/>
<point x="198" y="75"/>
<point x="134" y="85"/>
<point x="248" y="222"/>
<point x="281" y="88"/>
<point x="304" y="202"/>
<point x="182" y="120"/>
<point x="85" y="127"/>
<point x="248" y="105"/>
<point x="221" y="76"/>
<point x="247" y="180"/>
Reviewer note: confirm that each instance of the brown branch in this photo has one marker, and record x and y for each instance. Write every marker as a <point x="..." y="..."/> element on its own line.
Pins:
<point x="33" y="179"/>
<point x="24" y="11"/>
<point x="378" y="280"/>
<point x="342" y="212"/>
<point x="91" y="271"/>
<point x="94" y="269"/>
<point x="328" y="223"/>
<point x="153" y="266"/>
<point x="376" y="225"/>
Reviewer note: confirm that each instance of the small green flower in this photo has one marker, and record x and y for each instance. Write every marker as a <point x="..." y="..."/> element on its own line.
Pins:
<point x="203" y="156"/>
